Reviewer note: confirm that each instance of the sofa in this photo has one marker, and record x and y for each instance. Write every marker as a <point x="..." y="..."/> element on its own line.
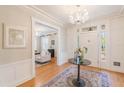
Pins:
<point x="43" y="57"/>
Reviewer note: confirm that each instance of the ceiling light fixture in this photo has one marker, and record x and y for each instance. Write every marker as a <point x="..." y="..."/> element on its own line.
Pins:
<point x="80" y="16"/>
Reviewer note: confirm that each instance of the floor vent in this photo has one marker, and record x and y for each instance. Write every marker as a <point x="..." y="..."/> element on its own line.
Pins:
<point x="116" y="63"/>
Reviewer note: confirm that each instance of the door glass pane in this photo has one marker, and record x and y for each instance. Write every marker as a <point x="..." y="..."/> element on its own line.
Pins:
<point x="103" y="45"/>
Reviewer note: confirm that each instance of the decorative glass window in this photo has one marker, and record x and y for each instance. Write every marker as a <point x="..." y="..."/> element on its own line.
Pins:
<point x="103" y="42"/>
<point x="92" y="28"/>
<point x="103" y="45"/>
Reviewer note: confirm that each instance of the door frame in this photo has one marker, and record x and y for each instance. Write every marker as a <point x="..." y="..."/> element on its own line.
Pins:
<point x="34" y="20"/>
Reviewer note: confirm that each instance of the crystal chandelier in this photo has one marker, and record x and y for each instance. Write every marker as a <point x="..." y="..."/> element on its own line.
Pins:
<point x="80" y="16"/>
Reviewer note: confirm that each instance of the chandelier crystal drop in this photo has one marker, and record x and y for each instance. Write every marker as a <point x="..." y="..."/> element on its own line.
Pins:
<point x="80" y="16"/>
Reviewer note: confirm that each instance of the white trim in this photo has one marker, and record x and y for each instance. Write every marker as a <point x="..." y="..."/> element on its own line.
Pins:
<point x="16" y="73"/>
<point x="43" y="13"/>
<point x="33" y="46"/>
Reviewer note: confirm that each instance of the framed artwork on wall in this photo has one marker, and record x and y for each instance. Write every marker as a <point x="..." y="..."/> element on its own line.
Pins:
<point x="52" y="42"/>
<point x="14" y="36"/>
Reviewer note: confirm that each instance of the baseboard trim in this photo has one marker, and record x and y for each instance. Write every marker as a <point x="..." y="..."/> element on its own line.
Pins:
<point x="24" y="80"/>
<point x="109" y="68"/>
<point x="112" y="70"/>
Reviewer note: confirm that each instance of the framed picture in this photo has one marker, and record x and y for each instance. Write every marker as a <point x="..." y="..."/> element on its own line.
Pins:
<point x="14" y="36"/>
<point x="52" y="42"/>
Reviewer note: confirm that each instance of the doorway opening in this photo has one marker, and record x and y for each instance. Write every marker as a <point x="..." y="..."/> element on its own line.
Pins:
<point x="45" y="44"/>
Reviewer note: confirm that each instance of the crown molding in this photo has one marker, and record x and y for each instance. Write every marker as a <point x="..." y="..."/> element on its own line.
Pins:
<point x="43" y="13"/>
<point x="61" y="23"/>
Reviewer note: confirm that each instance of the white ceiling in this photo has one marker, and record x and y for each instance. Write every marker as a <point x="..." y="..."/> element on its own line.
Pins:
<point x="62" y="12"/>
<point x="43" y="30"/>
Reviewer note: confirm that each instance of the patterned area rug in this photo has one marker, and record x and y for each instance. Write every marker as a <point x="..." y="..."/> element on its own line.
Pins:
<point x="91" y="78"/>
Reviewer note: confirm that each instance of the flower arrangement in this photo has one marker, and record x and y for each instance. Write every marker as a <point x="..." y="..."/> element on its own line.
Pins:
<point x="79" y="54"/>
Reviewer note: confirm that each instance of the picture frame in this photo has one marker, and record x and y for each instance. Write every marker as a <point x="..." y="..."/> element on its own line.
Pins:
<point x="14" y="36"/>
<point x="52" y="42"/>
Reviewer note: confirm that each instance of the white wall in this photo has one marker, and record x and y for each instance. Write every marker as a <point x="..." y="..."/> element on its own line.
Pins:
<point x="38" y="44"/>
<point x="71" y="41"/>
<point x="114" y="37"/>
<point x="117" y="42"/>
<point x="16" y="64"/>
<point x="12" y="15"/>
<point x="63" y="49"/>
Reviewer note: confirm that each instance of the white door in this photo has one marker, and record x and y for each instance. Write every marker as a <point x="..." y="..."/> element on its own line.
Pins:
<point x="90" y="40"/>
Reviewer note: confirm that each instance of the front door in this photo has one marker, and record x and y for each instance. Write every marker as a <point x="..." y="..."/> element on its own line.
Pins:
<point x="90" y="40"/>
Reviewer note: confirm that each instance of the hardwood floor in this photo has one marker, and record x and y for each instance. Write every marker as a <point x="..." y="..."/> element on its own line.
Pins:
<point x="46" y="72"/>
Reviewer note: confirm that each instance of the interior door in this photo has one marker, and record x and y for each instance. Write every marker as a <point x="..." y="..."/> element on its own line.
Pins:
<point x="90" y="40"/>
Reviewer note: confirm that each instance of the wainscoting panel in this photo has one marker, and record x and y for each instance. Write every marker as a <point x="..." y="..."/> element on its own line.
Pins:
<point x="7" y="76"/>
<point x="15" y="73"/>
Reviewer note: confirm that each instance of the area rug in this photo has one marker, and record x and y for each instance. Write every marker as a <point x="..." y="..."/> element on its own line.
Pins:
<point x="91" y="78"/>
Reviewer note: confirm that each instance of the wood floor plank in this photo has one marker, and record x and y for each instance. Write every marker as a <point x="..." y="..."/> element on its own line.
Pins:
<point x="47" y="72"/>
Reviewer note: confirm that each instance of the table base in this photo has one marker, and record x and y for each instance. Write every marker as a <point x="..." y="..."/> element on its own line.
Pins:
<point x="78" y="83"/>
